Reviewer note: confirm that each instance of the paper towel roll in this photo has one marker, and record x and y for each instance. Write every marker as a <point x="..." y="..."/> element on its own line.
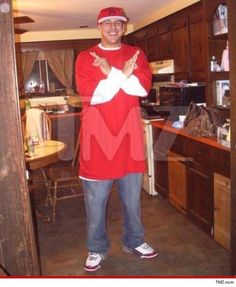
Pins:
<point x="225" y="60"/>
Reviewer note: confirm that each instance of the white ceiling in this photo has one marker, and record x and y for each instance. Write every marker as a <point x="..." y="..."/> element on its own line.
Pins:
<point x="51" y="15"/>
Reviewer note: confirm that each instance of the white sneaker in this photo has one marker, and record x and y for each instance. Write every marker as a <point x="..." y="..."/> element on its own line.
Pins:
<point x="144" y="251"/>
<point x="93" y="261"/>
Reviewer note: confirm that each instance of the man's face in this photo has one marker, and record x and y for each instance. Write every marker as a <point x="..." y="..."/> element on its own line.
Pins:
<point x="111" y="32"/>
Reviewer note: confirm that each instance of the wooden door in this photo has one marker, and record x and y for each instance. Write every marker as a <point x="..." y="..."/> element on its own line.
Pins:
<point x="17" y="242"/>
<point x="177" y="181"/>
<point x="200" y="197"/>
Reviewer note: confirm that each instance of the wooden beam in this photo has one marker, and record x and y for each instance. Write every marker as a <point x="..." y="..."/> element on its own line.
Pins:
<point x="17" y="241"/>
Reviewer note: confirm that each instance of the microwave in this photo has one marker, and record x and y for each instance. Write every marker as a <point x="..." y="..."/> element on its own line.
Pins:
<point x="177" y="99"/>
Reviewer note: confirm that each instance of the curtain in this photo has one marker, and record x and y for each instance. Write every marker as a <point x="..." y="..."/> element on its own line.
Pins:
<point x="61" y="62"/>
<point x="25" y="63"/>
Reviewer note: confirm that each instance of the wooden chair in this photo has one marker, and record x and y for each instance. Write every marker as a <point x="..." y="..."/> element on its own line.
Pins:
<point x="46" y="125"/>
<point x="63" y="182"/>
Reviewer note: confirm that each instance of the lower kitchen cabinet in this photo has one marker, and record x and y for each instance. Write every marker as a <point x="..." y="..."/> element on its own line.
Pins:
<point x="177" y="181"/>
<point x="193" y="174"/>
<point x="160" y="152"/>
<point x="200" y="197"/>
<point x="161" y="173"/>
<point x="222" y="210"/>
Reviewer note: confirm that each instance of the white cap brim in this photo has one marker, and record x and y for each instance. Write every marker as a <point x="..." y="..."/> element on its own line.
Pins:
<point x="112" y="17"/>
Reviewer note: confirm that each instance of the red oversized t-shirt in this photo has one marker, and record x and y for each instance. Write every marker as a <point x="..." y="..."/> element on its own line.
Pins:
<point x="111" y="136"/>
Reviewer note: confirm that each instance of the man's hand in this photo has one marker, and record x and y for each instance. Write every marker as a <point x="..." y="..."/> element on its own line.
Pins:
<point x="101" y="63"/>
<point x="131" y="65"/>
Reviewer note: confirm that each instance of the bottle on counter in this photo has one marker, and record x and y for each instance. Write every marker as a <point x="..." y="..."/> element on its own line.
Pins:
<point x="30" y="145"/>
<point x="213" y="64"/>
<point x="27" y="104"/>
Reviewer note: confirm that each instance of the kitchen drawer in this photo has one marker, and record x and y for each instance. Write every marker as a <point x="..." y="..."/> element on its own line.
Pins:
<point x="198" y="153"/>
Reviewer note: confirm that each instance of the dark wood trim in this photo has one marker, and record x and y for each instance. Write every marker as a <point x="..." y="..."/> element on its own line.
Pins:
<point x="232" y="52"/>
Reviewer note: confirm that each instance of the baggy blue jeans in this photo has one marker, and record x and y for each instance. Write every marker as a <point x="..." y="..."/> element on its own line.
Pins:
<point x="96" y="195"/>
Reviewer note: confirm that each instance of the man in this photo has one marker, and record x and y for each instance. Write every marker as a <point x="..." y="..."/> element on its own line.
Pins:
<point x="111" y="77"/>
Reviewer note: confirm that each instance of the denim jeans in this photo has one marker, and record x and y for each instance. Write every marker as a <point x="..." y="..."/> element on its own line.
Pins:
<point x="96" y="195"/>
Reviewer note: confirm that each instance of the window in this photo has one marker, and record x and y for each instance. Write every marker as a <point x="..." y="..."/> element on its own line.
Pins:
<point x="42" y="78"/>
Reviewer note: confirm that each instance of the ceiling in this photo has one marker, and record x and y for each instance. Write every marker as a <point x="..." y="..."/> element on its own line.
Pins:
<point x="53" y="15"/>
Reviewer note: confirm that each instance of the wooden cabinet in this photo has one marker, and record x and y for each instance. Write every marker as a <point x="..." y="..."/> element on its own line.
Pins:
<point x="140" y="40"/>
<point x="200" y="197"/>
<point x="187" y="177"/>
<point x="198" y="51"/>
<point x="165" y="40"/>
<point x="217" y="36"/>
<point x="181" y="48"/>
<point x="222" y="210"/>
<point x="177" y="181"/>
<point x="151" y="38"/>
<point x="160" y="151"/>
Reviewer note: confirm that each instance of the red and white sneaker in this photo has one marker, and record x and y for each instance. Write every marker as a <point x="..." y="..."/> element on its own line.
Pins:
<point x="93" y="261"/>
<point x="144" y="251"/>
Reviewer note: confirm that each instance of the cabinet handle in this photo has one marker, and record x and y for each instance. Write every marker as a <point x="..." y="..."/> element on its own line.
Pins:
<point x="199" y="153"/>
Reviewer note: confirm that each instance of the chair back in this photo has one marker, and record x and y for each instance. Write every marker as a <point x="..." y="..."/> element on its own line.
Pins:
<point x="37" y="123"/>
<point x="75" y="161"/>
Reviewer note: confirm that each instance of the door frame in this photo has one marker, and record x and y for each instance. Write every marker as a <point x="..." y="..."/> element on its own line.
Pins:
<point x="18" y="253"/>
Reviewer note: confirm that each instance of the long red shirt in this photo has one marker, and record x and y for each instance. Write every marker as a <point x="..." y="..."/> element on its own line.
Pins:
<point x="111" y="137"/>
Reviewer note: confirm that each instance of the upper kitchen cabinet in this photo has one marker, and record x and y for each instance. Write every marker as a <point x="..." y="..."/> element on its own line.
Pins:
<point x="218" y="59"/>
<point x="138" y="38"/>
<point x="152" y="42"/>
<point x="181" y="46"/>
<point x="198" y="45"/>
<point x="189" y="44"/>
<point x="165" y="39"/>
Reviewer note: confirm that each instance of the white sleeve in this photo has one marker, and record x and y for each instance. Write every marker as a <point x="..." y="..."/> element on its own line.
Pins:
<point x="133" y="87"/>
<point x="107" y="88"/>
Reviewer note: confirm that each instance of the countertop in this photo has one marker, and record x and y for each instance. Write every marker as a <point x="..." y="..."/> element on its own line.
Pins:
<point x="167" y="126"/>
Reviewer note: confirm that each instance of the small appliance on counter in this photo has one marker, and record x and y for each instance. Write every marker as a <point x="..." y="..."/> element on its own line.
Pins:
<point x="176" y="98"/>
<point x="150" y="107"/>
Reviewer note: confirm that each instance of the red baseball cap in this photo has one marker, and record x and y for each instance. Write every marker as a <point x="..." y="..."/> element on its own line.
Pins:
<point x="112" y="12"/>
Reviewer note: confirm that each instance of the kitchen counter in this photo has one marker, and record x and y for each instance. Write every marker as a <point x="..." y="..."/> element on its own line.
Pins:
<point x="167" y="126"/>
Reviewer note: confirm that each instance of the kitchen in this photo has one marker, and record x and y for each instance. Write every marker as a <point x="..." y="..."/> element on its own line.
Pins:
<point x="10" y="90"/>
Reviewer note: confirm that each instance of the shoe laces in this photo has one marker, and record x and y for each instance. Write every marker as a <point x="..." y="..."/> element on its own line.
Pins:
<point x="94" y="256"/>
<point x="145" y="246"/>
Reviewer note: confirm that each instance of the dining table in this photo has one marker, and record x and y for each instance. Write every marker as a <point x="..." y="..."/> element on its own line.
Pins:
<point x="42" y="156"/>
<point x="45" y="153"/>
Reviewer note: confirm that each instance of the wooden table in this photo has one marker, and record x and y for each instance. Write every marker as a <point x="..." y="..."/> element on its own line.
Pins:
<point x="50" y="151"/>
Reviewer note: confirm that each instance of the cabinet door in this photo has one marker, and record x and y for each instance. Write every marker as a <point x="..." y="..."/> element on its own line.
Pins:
<point x="160" y="152"/>
<point x="165" y="41"/>
<point x="140" y="40"/>
<point x="177" y="181"/>
<point x="198" y="46"/>
<point x="151" y="38"/>
<point x="200" y="197"/>
<point x="222" y="210"/>
<point x="181" y="48"/>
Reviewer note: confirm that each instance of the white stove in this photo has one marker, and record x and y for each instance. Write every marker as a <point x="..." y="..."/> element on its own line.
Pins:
<point x="149" y="176"/>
